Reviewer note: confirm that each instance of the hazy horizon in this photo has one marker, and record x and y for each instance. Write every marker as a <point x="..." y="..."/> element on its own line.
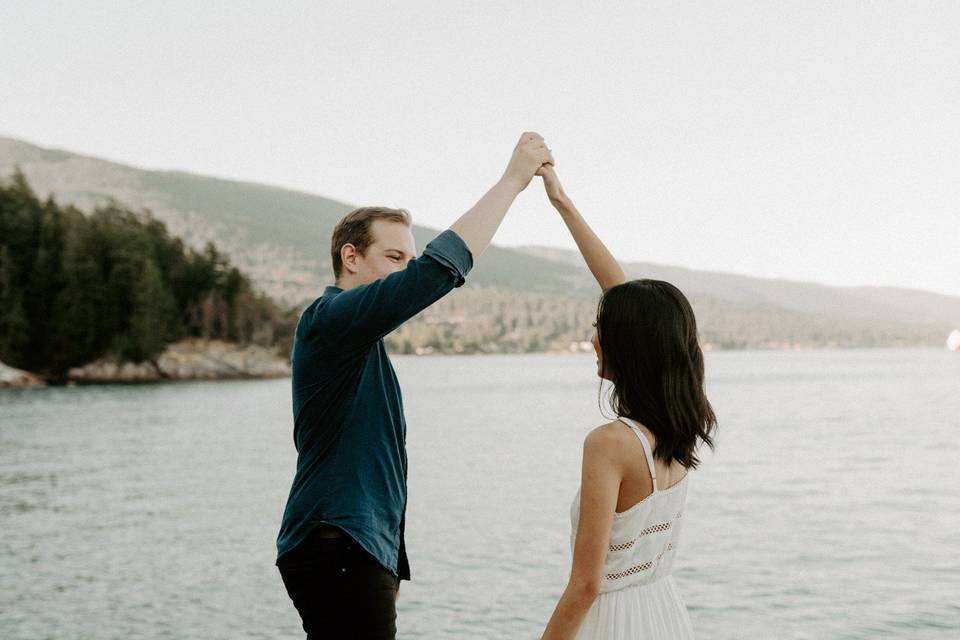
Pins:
<point x="802" y="141"/>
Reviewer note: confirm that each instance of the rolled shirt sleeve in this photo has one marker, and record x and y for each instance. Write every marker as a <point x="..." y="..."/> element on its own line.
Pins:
<point x="451" y="251"/>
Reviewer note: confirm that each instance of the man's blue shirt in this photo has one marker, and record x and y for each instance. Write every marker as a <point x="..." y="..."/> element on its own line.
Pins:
<point x="349" y="428"/>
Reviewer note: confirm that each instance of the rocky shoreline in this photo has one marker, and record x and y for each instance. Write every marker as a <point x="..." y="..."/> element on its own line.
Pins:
<point x="11" y="378"/>
<point x="192" y="359"/>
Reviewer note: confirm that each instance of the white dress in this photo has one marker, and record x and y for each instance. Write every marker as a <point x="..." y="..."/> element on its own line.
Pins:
<point x="638" y="594"/>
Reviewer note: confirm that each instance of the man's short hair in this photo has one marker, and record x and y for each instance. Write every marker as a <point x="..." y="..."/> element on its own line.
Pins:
<point x="355" y="229"/>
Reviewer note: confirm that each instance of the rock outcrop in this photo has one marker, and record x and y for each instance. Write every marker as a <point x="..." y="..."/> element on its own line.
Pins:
<point x="11" y="378"/>
<point x="189" y="360"/>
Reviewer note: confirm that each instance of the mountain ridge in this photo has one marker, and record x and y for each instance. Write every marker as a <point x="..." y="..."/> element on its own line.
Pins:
<point x="280" y="237"/>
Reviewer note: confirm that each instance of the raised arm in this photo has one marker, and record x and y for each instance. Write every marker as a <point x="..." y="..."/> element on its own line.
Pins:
<point x="478" y="225"/>
<point x="600" y="261"/>
<point x="365" y="313"/>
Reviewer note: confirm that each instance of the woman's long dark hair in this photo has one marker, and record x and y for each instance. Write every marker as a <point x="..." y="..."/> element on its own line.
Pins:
<point x="650" y="351"/>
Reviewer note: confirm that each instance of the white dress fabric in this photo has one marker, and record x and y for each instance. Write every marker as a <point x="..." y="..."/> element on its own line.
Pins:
<point x="638" y="594"/>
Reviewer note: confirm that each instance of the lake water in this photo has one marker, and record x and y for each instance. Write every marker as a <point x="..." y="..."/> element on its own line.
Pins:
<point x="830" y="509"/>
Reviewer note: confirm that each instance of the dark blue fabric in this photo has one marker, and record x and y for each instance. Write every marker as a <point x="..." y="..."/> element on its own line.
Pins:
<point x="349" y="428"/>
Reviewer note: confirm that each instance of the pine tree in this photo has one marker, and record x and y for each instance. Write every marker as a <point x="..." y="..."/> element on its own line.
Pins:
<point x="79" y="310"/>
<point x="44" y="284"/>
<point x="154" y="311"/>
<point x="14" y="328"/>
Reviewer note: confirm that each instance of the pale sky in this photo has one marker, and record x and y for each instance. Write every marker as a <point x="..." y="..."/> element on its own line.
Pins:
<point x="815" y="141"/>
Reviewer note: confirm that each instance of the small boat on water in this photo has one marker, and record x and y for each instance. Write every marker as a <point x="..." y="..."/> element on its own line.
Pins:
<point x="953" y="340"/>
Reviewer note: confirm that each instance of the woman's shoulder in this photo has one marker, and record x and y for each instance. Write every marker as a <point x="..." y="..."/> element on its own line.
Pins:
<point x="609" y="439"/>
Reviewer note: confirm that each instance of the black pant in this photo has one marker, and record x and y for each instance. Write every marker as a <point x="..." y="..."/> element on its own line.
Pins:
<point x="340" y="590"/>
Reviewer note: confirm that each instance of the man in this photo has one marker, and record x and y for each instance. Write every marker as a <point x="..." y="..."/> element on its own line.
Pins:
<point x="341" y="551"/>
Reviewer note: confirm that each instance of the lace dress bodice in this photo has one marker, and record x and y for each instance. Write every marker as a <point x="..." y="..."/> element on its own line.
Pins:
<point x="643" y="539"/>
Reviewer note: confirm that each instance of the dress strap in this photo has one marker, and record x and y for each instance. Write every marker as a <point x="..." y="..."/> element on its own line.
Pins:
<point x="647" y="449"/>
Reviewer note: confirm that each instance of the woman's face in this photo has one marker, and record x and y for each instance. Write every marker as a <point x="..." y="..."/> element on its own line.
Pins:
<point x="595" y="339"/>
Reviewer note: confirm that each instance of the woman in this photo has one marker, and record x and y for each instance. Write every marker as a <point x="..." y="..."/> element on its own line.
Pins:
<point x="627" y="515"/>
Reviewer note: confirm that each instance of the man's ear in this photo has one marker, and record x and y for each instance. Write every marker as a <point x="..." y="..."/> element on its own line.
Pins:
<point x="348" y="257"/>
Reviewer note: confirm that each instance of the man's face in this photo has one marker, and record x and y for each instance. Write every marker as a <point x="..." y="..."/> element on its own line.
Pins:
<point x="392" y="248"/>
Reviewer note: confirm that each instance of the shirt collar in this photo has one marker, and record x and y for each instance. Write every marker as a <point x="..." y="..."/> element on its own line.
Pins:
<point x="331" y="290"/>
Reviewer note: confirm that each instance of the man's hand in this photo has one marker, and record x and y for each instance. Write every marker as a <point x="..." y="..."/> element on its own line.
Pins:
<point x="551" y="184"/>
<point x="530" y="154"/>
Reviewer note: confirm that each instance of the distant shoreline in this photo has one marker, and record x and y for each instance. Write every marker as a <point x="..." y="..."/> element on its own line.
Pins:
<point x="29" y="380"/>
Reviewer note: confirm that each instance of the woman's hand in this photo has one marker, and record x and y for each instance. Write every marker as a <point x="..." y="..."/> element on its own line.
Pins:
<point x="551" y="184"/>
<point x="529" y="155"/>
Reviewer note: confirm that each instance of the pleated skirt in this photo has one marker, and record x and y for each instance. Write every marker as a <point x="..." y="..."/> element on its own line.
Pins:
<point x="653" y="611"/>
